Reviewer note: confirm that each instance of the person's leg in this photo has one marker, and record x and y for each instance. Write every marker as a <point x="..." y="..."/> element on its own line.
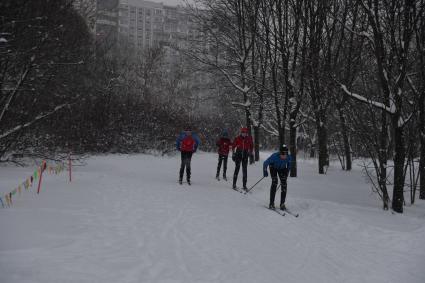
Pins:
<point x="244" y="172"/>
<point x="188" y="171"/>
<point x="273" y="175"/>
<point x="235" y="174"/>
<point x="220" y="159"/>
<point x="283" y="175"/>
<point x="182" y="165"/>
<point x="225" y="166"/>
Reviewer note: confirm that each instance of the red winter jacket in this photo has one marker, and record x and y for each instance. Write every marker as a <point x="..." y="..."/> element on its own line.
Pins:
<point x="224" y="145"/>
<point x="187" y="144"/>
<point x="243" y="144"/>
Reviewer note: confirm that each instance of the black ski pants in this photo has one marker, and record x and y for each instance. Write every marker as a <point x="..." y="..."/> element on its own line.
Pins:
<point x="283" y="175"/>
<point x="241" y="159"/>
<point x="222" y="159"/>
<point x="186" y="158"/>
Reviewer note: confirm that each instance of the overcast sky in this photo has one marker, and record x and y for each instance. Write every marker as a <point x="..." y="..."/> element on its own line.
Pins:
<point x="169" y="2"/>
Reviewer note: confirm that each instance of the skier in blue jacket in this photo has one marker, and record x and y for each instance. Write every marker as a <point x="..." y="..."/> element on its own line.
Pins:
<point x="280" y="164"/>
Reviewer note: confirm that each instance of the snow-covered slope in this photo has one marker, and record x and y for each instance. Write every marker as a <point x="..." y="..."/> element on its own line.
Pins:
<point x="125" y="219"/>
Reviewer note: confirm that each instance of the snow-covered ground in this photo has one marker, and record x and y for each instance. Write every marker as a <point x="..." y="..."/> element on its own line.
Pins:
<point x="125" y="219"/>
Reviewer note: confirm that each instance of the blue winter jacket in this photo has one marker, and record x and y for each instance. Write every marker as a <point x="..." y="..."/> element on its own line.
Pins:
<point x="181" y="137"/>
<point x="277" y="163"/>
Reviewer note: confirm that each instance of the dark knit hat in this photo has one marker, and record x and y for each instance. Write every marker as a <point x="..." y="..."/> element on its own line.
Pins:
<point x="283" y="149"/>
<point x="225" y="133"/>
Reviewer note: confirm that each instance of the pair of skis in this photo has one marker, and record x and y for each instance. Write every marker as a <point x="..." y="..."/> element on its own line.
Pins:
<point x="280" y="212"/>
<point x="283" y="212"/>
<point x="239" y="190"/>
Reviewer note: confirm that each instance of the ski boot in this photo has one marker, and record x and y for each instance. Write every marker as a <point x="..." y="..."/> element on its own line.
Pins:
<point x="282" y="206"/>
<point x="271" y="206"/>
<point x="224" y="178"/>
<point x="217" y="177"/>
<point x="188" y="182"/>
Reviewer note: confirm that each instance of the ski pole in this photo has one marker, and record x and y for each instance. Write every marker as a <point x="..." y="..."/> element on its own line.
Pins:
<point x="253" y="186"/>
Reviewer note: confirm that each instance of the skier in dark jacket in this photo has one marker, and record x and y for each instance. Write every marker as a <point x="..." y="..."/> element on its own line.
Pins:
<point x="280" y="164"/>
<point x="241" y="150"/>
<point x="187" y="143"/>
<point x="224" y="144"/>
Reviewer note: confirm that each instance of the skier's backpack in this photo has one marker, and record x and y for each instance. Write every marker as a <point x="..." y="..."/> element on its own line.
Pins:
<point x="188" y="144"/>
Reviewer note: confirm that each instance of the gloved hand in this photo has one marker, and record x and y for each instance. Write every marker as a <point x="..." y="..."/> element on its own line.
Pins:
<point x="234" y="156"/>
<point x="265" y="174"/>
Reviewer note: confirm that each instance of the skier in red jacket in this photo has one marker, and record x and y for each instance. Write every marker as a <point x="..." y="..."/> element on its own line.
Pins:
<point x="241" y="150"/>
<point x="187" y="143"/>
<point x="224" y="144"/>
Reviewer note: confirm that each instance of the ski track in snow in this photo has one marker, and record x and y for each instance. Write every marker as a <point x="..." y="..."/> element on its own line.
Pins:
<point x="125" y="219"/>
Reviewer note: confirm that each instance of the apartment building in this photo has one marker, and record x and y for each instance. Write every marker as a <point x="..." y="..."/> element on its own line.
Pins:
<point x="143" y="24"/>
<point x="140" y="22"/>
<point x="106" y="28"/>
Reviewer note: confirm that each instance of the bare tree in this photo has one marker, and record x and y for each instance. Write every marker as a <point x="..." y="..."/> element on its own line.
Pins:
<point x="320" y="48"/>
<point x="390" y="31"/>
<point x="227" y="27"/>
<point x="37" y="54"/>
<point x="420" y="92"/>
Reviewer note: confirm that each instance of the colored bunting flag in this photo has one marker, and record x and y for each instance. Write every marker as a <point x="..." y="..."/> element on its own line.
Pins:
<point x="30" y="181"/>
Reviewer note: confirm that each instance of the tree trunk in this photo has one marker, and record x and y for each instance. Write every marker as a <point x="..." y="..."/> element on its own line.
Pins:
<point x="398" y="197"/>
<point x="422" y="140"/>
<point x="248" y="120"/>
<point x="383" y="158"/>
<point x="257" y="128"/>
<point x="293" y="147"/>
<point x="257" y="143"/>
<point x="347" y="148"/>
<point x="420" y="43"/>
<point x="312" y="151"/>
<point x="323" y="144"/>
<point x="422" y="171"/>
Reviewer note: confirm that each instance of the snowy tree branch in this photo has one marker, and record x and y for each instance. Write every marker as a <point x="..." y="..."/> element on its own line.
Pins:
<point x="39" y="117"/>
<point x="15" y="91"/>
<point x="363" y="99"/>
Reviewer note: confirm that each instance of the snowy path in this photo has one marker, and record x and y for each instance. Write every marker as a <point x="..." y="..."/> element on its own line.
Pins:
<point x="124" y="219"/>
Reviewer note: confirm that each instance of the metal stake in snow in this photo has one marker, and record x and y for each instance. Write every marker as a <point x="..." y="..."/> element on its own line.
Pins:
<point x="254" y="186"/>
<point x="43" y="166"/>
